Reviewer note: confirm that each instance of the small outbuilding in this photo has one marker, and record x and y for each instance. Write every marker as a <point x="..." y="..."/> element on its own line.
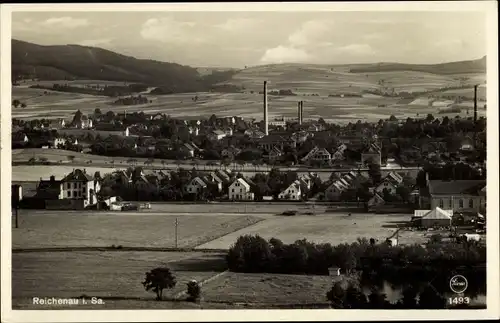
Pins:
<point x="334" y="271"/>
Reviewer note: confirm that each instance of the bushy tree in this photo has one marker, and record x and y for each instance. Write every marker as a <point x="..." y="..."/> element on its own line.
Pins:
<point x="193" y="291"/>
<point x="159" y="279"/>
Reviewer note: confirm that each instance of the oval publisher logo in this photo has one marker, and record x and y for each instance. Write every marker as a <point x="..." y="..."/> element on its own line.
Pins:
<point x="458" y="284"/>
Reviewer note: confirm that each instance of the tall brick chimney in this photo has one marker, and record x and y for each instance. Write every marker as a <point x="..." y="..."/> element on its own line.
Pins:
<point x="266" y="121"/>
<point x="299" y="112"/>
<point x="475" y="114"/>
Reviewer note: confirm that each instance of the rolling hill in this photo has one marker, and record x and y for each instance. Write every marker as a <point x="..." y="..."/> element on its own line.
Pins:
<point x="461" y="67"/>
<point x="69" y="62"/>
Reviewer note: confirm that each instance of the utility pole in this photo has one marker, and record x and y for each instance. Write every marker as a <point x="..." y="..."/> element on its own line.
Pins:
<point x="17" y="216"/>
<point x="176" y="225"/>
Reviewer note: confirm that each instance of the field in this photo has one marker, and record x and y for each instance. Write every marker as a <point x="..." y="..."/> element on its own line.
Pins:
<point x="333" y="228"/>
<point x="116" y="278"/>
<point x="113" y="276"/>
<point x="216" y="227"/>
<point x="39" y="229"/>
<point x="304" y="80"/>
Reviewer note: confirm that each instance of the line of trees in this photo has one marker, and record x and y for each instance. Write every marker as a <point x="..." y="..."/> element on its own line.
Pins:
<point x="403" y="267"/>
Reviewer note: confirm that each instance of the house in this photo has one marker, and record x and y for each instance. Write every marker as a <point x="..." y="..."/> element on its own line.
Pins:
<point x="142" y="183"/>
<point x="195" y="186"/>
<point x="84" y="123"/>
<point x="189" y="149"/>
<point x="57" y="142"/>
<point x="230" y="152"/>
<point x="254" y="133"/>
<point x="390" y="183"/>
<point x="317" y="154"/>
<point x="339" y="152"/>
<point x="467" y="144"/>
<point x="292" y="192"/>
<point x="78" y="185"/>
<point x="239" y="190"/>
<point x="273" y="155"/>
<point x="334" y="191"/>
<point x="274" y="140"/>
<point x="371" y="154"/>
<point x="56" y="124"/>
<point x="19" y="138"/>
<point x="216" y="180"/>
<point x="457" y="195"/>
<point x="376" y="200"/>
<point x="216" y="135"/>
<point x="278" y="122"/>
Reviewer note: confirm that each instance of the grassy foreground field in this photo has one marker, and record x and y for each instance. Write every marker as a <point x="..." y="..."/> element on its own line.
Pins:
<point x="92" y="229"/>
<point x="116" y="278"/>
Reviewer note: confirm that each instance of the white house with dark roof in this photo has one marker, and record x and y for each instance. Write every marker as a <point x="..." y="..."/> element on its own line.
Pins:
<point x="240" y="190"/>
<point x="79" y="185"/>
<point x="317" y="154"/>
<point x="195" y="186"/>
<point x="292" y="192"/>
<point x="390" y="183"/>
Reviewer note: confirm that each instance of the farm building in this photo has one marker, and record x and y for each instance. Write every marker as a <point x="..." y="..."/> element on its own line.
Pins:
<point x="433" y="218"/>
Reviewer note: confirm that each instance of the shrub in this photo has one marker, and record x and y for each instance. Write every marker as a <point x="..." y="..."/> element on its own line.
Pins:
<point x="193" y="291"/>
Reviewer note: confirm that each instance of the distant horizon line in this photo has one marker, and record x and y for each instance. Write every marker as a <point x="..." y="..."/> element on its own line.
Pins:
<point x="257" y="65"/>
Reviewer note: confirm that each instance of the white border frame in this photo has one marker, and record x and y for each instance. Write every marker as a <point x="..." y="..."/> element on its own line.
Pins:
<point x="492" y="311"/>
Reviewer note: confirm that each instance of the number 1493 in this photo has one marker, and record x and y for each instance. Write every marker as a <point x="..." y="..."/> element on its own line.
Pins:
<point x="458" y="300"/>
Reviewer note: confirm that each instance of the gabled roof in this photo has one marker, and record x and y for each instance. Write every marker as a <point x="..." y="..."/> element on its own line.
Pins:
<point x="438" y="214"/>
<point x="458" y="187"/>
<point x="199" y="181"/>
<point x="242" y="182"/>
<point x="76" y="176"/>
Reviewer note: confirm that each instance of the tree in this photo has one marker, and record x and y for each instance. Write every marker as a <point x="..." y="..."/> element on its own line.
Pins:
<point x="336" y="295"/>
<point x="377" y="300"/>
<point x="374" y="173"/>
<point x="392" y="118"/>
<point x="430" y="299"/>
<point x="193" y="291"/>
<point x="409" y="299"/>
<point x="403" y="192"/>
<point x="429" y="118"/>
<point x="23" y="105"/>
<point x="71" y="158"/>
<point x="354" y="297"/>
<point x="159" y="279"/>
<point x="97" y="112"/>
<point x="16" y="103"/>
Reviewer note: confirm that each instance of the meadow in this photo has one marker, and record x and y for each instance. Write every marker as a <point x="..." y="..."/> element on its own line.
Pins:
<point x="116" y="277"/>
<point x="304" y="80"/>
<point x="45" y="229"/>
<point x="335" y="228"/>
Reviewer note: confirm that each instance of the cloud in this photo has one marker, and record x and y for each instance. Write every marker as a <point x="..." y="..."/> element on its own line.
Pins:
<point x="310" y="32"/>
<point x="357" y="49"/>
<point x="95" y="42"/>
<point x="169" y="30"/>
<point x="65" y="22"/>
<point x="237" y="24"/>
<point x="282" y="54"/>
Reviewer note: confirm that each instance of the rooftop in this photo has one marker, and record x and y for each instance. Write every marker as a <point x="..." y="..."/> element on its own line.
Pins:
<point x="458" y="187"/>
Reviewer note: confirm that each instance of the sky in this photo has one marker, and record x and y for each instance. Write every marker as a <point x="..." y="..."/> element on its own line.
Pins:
<point x="238" y="39"/>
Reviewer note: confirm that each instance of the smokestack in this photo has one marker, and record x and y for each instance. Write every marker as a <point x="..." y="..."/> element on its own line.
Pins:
<point x="266" y="130"/>
<point x="475" y="114"/>
<point x="299" y="112"/>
